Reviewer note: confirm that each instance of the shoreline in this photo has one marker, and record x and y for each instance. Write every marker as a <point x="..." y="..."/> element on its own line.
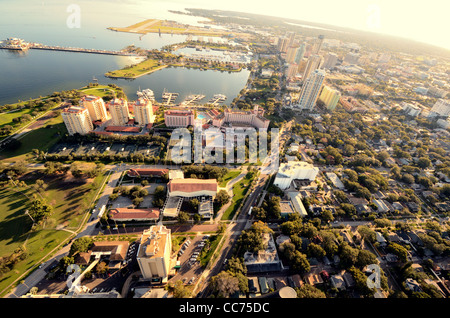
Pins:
<point x="137" y="76"/>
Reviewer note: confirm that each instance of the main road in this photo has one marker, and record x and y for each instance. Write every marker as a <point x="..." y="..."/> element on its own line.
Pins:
<point x="243" y="220"/>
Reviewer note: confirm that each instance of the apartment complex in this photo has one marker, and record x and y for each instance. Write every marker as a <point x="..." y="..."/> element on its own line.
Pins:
<point x="77" y="120"/>
<point x="143" y="112"/>
<point x="118" y="108"/>
<point x="238" y="118"/>
<point x="153" y="255"/>
<point x="179" y="118"/>
<point x="96" y="107"/>
<point x="311" y="89"/>
<point x="330" y="97"/>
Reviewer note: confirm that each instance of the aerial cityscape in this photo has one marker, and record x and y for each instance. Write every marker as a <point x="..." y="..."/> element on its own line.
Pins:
<point x="178" y="152"/>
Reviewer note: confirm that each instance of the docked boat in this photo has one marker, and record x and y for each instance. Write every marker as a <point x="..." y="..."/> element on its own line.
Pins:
<point x="146" y="94"/>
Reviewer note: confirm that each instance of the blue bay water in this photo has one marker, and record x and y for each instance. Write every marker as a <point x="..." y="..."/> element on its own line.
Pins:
<point x="38" y="73"/>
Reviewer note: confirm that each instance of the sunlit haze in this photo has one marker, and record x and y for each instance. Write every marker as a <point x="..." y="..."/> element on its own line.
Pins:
<point x="423" y="21"/>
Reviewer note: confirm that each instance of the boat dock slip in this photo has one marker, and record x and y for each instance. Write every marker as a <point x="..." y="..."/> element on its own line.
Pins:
<point x="191" y="99"/>
<point x="169" y="98"/>
<point x="217" y="99"/>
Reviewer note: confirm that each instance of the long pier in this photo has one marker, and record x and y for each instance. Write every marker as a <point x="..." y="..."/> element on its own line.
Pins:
<point x="192" y="99"/>
<point x="37" y="46"/>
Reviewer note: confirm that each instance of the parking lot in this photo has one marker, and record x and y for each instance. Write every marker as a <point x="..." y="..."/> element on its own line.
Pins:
<point x="93" y="148"/>
<point x="188" y="256"/>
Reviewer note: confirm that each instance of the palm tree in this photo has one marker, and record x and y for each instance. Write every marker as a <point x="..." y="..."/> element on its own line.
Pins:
<point x="123" y="225"/>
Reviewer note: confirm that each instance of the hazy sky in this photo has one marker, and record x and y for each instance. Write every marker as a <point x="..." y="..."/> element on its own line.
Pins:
<point x="425" y="21"/>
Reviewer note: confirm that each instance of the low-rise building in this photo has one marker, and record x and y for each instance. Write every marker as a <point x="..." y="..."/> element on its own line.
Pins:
<point x="292" y="170"/>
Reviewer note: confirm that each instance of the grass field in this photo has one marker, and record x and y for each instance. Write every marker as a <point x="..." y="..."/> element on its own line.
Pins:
<point x="70" y="202"/>
<point x="100" y="90"/>
<point x="229" y="176"/>
<point x="42" y="138"/>
<point x="137" y="70"/>
<point x="6" y="118"/>
<point x="239" y="190"/>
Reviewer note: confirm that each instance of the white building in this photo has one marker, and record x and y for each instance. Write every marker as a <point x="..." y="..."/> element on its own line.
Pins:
<point x="294" y="170"/>
<point x="440" y="108"/>
<point x="411" y="109"/>
<point x="118" y="108"/>
<point x="311" y="90"/>
<point x="153" y="255"/>
<point x="77" y="120"/>
<point x="96" y="107"/>
<point x="143" y="112"/>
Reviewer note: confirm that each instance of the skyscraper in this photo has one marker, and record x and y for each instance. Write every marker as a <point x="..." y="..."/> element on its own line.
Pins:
<point x="300" y="53"/>
<point x="314" y="62"/>
<point x="77" y="120"/>
<point x="96" y="107"/>
<point x="143" y="112"/>
<point x="330" y="61"/>
<point x="291" y="54"/>
<point x="118" y="108"/>
<point x="283" y="44"/>
<point x="317" y="44"/>
<point x="311" y="89"/>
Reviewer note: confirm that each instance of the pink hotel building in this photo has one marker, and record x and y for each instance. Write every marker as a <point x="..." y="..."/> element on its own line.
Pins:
<point x="179" y="118"/>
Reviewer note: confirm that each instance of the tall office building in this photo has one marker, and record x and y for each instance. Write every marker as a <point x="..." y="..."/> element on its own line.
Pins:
<point x="330" y="97"/>
<point x="330" y="61"/>
<point x="283" y="44"/>
<point x="291" y="71"/>
<point x="143" y="112"/>
<point x="291" y="54"/>
<point x="300" y="53"/>
<point x="118" y="108"/>
<point x="311" y="89"/>
<point x="314" y="62"/>
<point x="96" y="107"/>
<point x="317" y="45"/>
<point x="77" y="120"/>
<point x="153" y="255"/>
<point x="291" y="37"/>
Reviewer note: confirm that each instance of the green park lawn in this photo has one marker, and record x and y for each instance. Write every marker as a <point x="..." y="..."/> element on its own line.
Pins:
<point x="70" y="202"/>
<point x="42" y="138"/>
<point x="228" y="177"/>
<point x="239" y="190"/>
<point x="144" y="67"/>
<point x="100" y="90"/>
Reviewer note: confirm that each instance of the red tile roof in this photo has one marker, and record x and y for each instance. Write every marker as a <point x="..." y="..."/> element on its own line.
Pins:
<point x="123" y="129"/>
<point x="135" y="214"/>
<point x="192" y="185"/>
<point x="147" y="172"/>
